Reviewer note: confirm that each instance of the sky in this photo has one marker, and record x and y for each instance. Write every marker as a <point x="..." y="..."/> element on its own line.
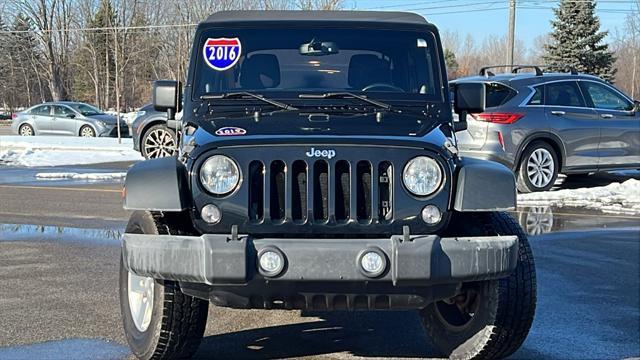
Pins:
<point x="490" y="17"/>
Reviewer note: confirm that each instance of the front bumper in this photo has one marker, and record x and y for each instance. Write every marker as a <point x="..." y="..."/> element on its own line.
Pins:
<point x="417" y="261"/>
<point x="112" y="131"/>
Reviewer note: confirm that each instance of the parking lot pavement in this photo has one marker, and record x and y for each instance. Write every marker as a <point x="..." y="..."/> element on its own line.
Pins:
<point x="5" y="130"/>
<point x="60" y="294"/>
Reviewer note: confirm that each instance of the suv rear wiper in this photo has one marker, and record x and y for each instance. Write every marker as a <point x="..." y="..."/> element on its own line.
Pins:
<point x="244" y="94"/>
<point x="345" y="95"/>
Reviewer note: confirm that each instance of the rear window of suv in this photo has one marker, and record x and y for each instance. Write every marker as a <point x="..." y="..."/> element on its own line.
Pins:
<point x="498" y="94"/>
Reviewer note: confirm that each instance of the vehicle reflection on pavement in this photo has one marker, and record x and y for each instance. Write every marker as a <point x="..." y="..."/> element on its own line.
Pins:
<point x="540" y="219"/>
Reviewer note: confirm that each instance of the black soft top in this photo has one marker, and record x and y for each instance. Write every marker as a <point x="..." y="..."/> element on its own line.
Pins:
<point x="356" y="17"/>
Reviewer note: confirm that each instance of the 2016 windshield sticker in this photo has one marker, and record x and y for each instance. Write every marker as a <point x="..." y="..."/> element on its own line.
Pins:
<point x="230" y="131"/>
<point x="222" y="53"/>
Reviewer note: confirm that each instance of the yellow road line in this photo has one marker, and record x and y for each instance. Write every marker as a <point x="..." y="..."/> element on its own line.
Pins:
<point x="59" y="188"/>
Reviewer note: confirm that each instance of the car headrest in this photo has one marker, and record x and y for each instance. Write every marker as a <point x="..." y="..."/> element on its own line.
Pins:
<point x="367" y="69"/>
<point x="260" y="71"/>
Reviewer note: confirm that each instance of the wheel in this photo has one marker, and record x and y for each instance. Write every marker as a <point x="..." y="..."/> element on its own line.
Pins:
<point x="159" y="141"/>
<point x="537" y="220"/>
<point x="26" y="130"/>
<point x="538" y="169"/>
<point x="160" y="321"/>
<point x="87" y="131"/>
<point x="488" y="319"/>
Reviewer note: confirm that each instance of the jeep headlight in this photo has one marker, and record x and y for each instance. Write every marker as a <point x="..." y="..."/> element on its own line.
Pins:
<point x="219" y="175"/>
<point x="422" y="176"/>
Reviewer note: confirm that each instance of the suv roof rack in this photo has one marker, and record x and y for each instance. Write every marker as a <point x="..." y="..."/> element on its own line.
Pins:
<point x="538" y="68"/>
<point x="566" y="67"/>
<point x="514" y="69"/>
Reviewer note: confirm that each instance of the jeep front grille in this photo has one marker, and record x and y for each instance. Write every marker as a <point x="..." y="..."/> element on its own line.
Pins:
<point x="320" y="191"/>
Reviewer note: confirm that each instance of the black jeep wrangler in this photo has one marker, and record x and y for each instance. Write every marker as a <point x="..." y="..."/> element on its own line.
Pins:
<point x="318" y="170"/>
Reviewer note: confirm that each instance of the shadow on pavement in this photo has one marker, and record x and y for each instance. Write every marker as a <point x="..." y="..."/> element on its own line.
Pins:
<point x="392" y="334"/>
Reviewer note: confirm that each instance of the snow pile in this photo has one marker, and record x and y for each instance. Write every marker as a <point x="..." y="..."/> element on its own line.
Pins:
<point x="619" y="198"/>
<point x="63" y="150"/>
<point x="81" y="176"/>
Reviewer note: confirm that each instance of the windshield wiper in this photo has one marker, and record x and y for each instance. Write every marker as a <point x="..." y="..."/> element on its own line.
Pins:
<point x="345" y="95"/>
<point x="245" y="94"/>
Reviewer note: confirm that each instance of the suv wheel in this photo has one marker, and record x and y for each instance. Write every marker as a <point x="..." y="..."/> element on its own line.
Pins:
<point x="160" y="321"/>
<point x="159" y="141"/>
<point x="538" y="169"/>
<point x="488" y="319"/>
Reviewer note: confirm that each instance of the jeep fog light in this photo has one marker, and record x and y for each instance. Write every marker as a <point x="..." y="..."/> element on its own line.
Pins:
<point x="270" y="262"/>
<point x="372" y="262"/>
<point x="422" y="176"/>
<point x="211" y="214"/>
<point x="219" y="175"/>
<point x="431" y="214"/>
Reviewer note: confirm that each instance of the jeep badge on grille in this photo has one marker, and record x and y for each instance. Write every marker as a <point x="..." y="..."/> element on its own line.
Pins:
<point x="329" y="154"/>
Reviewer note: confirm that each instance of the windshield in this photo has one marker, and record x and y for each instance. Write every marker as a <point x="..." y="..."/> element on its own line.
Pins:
<point x="388" y="64"/>
<point x="86" y="109"/>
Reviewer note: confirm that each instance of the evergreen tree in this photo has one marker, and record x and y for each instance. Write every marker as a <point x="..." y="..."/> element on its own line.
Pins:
<point x="94" y="80"/>
<point x="577" y="40"/>
<point x="451" y="63"/>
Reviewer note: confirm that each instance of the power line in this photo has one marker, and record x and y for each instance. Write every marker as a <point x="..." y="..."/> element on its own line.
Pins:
<point x="100" y="29"/>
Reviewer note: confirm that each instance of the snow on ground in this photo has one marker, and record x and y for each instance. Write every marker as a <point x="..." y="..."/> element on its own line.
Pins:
<point x="64" y="150"/>
<point x="619" y="198"/>
<point x="80" y="176"/>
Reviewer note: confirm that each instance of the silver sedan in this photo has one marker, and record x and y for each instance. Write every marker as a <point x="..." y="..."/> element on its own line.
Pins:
<point x="66" y="118"/>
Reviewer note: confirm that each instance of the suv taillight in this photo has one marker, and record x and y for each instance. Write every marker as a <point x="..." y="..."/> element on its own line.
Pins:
<point x="498" y="117"/>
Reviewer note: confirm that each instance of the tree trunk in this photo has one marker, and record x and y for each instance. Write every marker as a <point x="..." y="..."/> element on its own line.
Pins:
<point x="107" y="78"/>
<point x="26" y="82"/>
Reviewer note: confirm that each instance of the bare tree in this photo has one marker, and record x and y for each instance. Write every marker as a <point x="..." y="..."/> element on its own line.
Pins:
<point x="52" y="20"/>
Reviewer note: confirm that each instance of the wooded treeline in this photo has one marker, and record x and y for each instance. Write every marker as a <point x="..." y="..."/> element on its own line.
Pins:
<point x="105" y="52"/>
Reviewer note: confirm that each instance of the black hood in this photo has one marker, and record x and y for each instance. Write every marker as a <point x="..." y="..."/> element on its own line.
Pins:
<point x="318" y="124"/>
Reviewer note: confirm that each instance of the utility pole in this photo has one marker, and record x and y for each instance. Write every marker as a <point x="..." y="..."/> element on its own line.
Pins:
<point x="512" y="30"/>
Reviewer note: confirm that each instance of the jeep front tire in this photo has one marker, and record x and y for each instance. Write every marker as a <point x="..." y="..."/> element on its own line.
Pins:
<point x="488" y="319"/>
<point x="160" y="321"/>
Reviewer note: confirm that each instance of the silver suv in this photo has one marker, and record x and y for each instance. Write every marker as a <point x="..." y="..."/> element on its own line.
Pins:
<point x="541" y="124"/>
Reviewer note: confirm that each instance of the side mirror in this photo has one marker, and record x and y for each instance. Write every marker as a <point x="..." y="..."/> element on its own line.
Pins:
<point x="468" y="98"/>
<point x="71" y="116"/>
<point x="167" y="95"/>
<point x="637" y="107"/>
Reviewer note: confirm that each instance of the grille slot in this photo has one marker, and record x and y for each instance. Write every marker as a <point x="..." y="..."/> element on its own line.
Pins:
<point x="256" y="191"/>
<point x="278" y="184"/>
<point x="299" y="191"/>
<point x="343" y="190"/>
<point x="321" y="191"/>
<point x="363" y="190"/>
